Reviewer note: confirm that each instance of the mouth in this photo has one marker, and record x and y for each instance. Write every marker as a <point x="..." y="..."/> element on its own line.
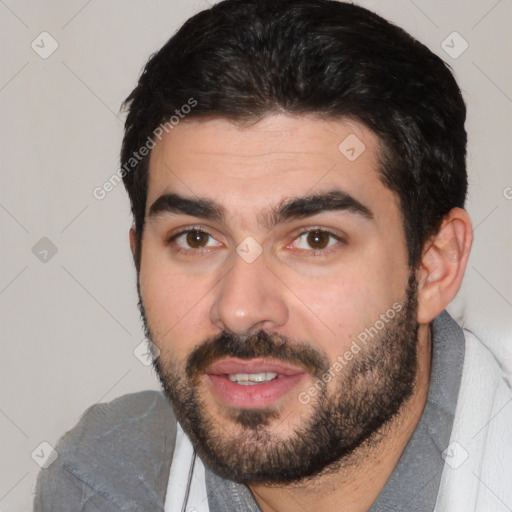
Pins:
<point x="253" y="383"/>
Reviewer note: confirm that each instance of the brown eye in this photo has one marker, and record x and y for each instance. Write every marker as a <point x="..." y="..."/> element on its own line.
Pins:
<point x="318" y="239"/>
<point x="197" y="239"/>
<point x="194" y="240"/>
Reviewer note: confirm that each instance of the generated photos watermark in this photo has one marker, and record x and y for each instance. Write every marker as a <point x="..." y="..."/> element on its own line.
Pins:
<point x="100" y="192"/>
<point x="356" y="346"/>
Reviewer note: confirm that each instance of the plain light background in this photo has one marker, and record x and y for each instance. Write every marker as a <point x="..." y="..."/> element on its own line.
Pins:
<point x="69" y="324"/>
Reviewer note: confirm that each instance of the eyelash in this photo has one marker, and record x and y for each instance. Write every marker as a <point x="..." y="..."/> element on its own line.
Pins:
<point x="315" y="253"/>
<point x="177" y="249"/>
<point x="320" y="252"/>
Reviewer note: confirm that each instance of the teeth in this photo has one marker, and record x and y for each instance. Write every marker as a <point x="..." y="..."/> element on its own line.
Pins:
<point x="249" y="379"/>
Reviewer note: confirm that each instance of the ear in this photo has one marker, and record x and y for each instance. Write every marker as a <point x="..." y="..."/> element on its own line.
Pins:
<point x="132" y="240"/>
<point x="135" y="249"/>
<point x="443" y="264"/>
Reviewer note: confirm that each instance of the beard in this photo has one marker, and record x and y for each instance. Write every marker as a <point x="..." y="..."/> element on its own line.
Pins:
<point x="366" y="395"/>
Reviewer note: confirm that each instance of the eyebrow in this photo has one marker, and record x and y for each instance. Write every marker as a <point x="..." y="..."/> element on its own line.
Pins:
<point x="290" y="209"/>
<point x="176" y="204"/>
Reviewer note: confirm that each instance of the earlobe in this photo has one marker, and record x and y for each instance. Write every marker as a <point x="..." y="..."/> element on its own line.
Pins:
<point x="443" y="264"/>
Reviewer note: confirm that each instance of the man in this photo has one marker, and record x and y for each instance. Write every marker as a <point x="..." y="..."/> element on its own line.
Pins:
<point x="296" y="171"/>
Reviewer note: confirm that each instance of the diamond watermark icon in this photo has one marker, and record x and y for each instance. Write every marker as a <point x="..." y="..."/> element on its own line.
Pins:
<point x="454" y="45"/>
<point x="352" y="147"/>
<point x="455" y="455"/>
<point x="44" y="250"/>
<point x="44" y="45"/>
<point x="249" y="250"/>
<point x="44" y="455"/>
<point x="146" y="352"/>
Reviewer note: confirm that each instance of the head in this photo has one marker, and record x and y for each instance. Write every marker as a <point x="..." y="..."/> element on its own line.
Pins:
<point x="305" y="176"/>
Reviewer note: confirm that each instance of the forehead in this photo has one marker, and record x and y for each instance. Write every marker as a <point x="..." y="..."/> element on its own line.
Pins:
<point x="254" y="167"/>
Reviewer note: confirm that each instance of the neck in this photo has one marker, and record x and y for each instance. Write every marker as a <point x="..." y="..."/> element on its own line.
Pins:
<point x="361" y="479"/>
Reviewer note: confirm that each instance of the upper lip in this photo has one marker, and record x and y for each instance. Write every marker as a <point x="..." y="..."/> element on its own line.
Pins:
<point x="259" y="365"/>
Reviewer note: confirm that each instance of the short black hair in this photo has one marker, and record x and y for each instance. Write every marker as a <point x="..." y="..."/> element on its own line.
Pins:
<point x="243" y="59"/>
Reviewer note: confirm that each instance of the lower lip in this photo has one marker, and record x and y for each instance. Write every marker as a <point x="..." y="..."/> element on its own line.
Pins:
<point x="257" y="396"/>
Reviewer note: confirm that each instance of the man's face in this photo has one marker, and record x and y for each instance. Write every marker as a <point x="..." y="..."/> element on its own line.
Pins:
<point x="274" y="281"/>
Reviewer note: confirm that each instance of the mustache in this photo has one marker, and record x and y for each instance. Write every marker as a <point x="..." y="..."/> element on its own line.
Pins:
<point x="258" y="345"/>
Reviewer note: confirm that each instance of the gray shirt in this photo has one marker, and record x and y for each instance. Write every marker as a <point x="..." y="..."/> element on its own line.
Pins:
<point x="414" y="483"/>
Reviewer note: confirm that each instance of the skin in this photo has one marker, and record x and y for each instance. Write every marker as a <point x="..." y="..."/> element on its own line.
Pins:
<point x="326" y="297"/>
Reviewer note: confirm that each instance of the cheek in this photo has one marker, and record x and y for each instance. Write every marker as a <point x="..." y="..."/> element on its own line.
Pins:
<point x="343" y="304"/>
<point x="174" y="303"/>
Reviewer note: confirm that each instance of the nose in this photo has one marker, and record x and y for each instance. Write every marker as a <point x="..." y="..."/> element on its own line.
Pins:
<point x="248" y="298"/>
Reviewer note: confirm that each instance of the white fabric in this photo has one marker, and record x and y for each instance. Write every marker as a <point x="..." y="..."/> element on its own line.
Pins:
<point x="478" y="464"/>
<point x="179" y="479"/>
<point x="478" y="461"/>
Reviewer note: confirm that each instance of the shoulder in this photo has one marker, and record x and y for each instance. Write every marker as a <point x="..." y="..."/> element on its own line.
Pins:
<point x="478" y="456"/>
<point x="118" y="451"/>
<point x="128" y="419"/>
